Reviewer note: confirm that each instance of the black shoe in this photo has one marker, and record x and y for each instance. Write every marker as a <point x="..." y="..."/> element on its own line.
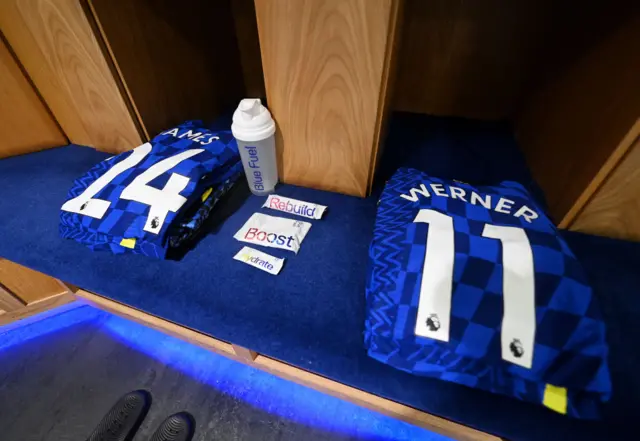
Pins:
<point x="124" y="418"/>
<point x="177" y="427"/>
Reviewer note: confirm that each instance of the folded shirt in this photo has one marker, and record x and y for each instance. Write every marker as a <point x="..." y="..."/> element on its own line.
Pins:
<point x="154" y="197"/>
<point x="475" y="285"/>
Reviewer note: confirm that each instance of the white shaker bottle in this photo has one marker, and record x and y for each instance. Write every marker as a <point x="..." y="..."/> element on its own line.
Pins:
<point x="254" y="130"/>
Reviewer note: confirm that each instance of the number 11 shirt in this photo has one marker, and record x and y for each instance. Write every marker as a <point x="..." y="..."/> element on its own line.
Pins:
<point x="475" y="285"/>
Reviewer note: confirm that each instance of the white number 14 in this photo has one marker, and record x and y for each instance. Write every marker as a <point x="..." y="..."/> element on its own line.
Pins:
<point x="161" y="202"/>
<point x="434" y="306"/>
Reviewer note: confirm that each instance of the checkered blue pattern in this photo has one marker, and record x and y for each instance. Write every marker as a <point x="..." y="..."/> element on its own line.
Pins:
<point x="570" y="348"/>
<point x="217" y="164"/>
<point x="190" y="225"/>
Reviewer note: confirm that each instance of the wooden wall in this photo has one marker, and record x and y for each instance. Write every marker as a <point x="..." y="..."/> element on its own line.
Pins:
<point x="244" y="17"/>
<point x="116" y="72"/>
<point x="326" y="66"/>
<point x="614" y="209"/>
<point x="473" y="58"/>
<point x="25" y="122"/>
<point x="176" y="60"/>
<point x="575" y="127"/>
<point x="56" y="44"/>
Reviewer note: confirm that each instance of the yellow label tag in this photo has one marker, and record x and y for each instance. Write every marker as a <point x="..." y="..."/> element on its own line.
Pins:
<point x="206" y="194"/>
<point x="128" y="243"/>
<point x="555" y="398"/>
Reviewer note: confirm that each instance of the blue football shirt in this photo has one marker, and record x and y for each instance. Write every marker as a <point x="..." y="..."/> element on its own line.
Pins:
<point x="475" y="285"/>
<point x="155" y="196"/>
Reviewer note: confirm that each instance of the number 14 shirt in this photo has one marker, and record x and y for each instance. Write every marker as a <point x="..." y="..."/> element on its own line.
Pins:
<point x="154" y="197"/>
<point x="475" y="285"/>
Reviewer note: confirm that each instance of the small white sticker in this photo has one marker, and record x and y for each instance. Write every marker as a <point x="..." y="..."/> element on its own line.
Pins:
<point x="265" y="262"/>
<point x="274" y="232"/>
<point x="294" y="206"/>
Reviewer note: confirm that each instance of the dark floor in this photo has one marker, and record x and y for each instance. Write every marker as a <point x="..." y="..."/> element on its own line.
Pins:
<point x="60" y="375"/>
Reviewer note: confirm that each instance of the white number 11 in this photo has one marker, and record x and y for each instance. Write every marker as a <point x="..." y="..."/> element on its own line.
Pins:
<point x="434" y="306"/>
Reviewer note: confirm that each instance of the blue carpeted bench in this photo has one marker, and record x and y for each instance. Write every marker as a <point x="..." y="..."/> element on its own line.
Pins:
<point x="312" y="314"/>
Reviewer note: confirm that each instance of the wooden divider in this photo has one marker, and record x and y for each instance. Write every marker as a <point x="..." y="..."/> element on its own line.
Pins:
<point x="246" y="354"/>
<point x="56" y="44"/>
<point x="25" y="122"/>
<point x="177" y="60"/>
<point x="246" y="26"/>
<point x="468" y="58"/>
<point x="27" y="296"/>
<point x="9" y="302"/>
<point x="27" y="285"/>
<point x="326" y="67"/>
<point x="38" y="311"/>
<point x="578" y="125"/>
<point x="614" y="209"/>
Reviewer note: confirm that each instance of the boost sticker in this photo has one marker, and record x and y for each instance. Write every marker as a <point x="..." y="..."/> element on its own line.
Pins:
<point x="274" y="232"/>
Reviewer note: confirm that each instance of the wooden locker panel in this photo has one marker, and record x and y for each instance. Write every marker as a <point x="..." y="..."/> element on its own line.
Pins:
<point x="27" y="285"/>
<point x="178" y="60"/>
<point x="56" y="44"/>
<point x="326" y="66"/>
<point x="614" y="210"/>
<point x="244" y="17"/>
<point x="9" y="302"/>
<point x="576" y="127"/>
<point x="38" y="311"/>
<point x="468" y="58"/>
<point x="25" y="122"/>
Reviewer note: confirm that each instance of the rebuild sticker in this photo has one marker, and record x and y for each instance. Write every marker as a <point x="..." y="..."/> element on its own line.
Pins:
<point x="294" y="206"/>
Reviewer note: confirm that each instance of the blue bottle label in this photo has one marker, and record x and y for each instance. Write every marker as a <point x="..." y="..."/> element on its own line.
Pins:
<point x="254" y="163"/>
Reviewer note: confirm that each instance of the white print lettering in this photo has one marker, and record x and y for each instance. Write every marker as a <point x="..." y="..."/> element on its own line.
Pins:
<point x="193" y="136"/>
<point x="258" y="182"/>
<point x="433" y="319"/>
<point x="265" y="262"/>
<point x="501" y="205"/>
<point x="160" y="201"/>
